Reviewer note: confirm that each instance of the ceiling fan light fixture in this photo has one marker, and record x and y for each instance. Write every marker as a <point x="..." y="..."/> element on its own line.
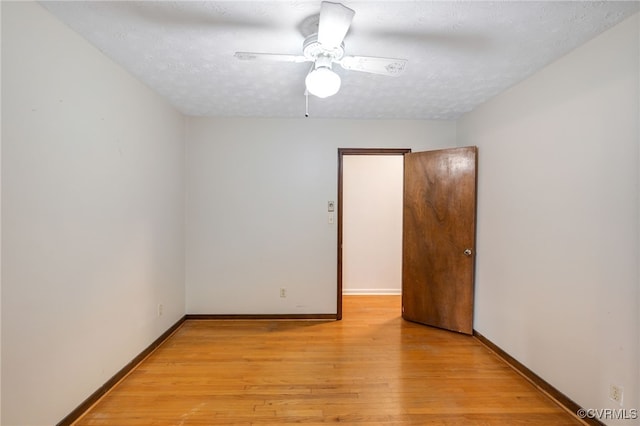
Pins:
<point x="322" y="82"/>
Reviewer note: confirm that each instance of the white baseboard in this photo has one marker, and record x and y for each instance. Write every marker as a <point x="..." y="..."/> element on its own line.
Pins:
<point x="371" y="291"/>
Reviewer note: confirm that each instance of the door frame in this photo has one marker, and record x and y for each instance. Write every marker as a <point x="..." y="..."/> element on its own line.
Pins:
<point x="341" y="153"/>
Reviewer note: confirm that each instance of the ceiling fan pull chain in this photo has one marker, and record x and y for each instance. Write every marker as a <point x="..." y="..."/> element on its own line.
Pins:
<point x="306" y="103"/>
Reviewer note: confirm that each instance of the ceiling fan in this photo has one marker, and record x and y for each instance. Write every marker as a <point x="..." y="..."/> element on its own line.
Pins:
<point x="325" y="48"/>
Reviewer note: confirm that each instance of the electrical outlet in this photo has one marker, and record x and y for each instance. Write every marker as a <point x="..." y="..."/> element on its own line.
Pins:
<point x="160" y="309"/>
<point x="283" y="292"/>
<point x="615" y="393"/>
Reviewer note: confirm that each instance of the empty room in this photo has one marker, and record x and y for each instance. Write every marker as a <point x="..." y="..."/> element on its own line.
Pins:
<point x="278" y="212"/>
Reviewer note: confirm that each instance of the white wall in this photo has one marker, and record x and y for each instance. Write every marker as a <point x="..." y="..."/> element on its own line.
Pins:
<point x="557" y="273"/>
<point x="372" y="187"/>
<point x="257" y="192"/>
<point x="92" y="217"/>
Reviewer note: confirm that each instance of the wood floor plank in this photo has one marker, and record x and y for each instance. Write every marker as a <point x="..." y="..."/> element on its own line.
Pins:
<point x="371" y="368"/>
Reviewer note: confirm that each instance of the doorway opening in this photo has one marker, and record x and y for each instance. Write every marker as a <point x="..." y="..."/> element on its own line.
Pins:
<point x="358" y="270"/>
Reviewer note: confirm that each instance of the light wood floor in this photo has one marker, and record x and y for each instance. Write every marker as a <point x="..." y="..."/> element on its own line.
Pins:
<point x="371" y="368"/>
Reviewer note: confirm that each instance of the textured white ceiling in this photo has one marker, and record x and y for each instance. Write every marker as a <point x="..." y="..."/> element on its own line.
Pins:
<point x="460" y="53"/>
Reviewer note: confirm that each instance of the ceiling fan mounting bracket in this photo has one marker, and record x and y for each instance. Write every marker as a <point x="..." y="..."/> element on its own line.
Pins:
<point x="312" y="50"/>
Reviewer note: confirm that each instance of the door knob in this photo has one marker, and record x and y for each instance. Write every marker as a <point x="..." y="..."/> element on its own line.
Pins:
<point x="468" y="252"/>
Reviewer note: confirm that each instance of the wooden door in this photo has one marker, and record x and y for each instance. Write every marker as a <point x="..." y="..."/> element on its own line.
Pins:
<point x="438" y="248"/>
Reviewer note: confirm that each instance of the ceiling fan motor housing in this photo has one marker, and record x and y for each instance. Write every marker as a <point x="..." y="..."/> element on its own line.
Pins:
<point x="312" y="50"/>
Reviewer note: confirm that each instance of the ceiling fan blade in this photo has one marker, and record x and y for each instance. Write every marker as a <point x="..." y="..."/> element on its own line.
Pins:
<point x="335" y="20"/>
<point x="272" y="57"/>
<point x="383" y="66"/>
